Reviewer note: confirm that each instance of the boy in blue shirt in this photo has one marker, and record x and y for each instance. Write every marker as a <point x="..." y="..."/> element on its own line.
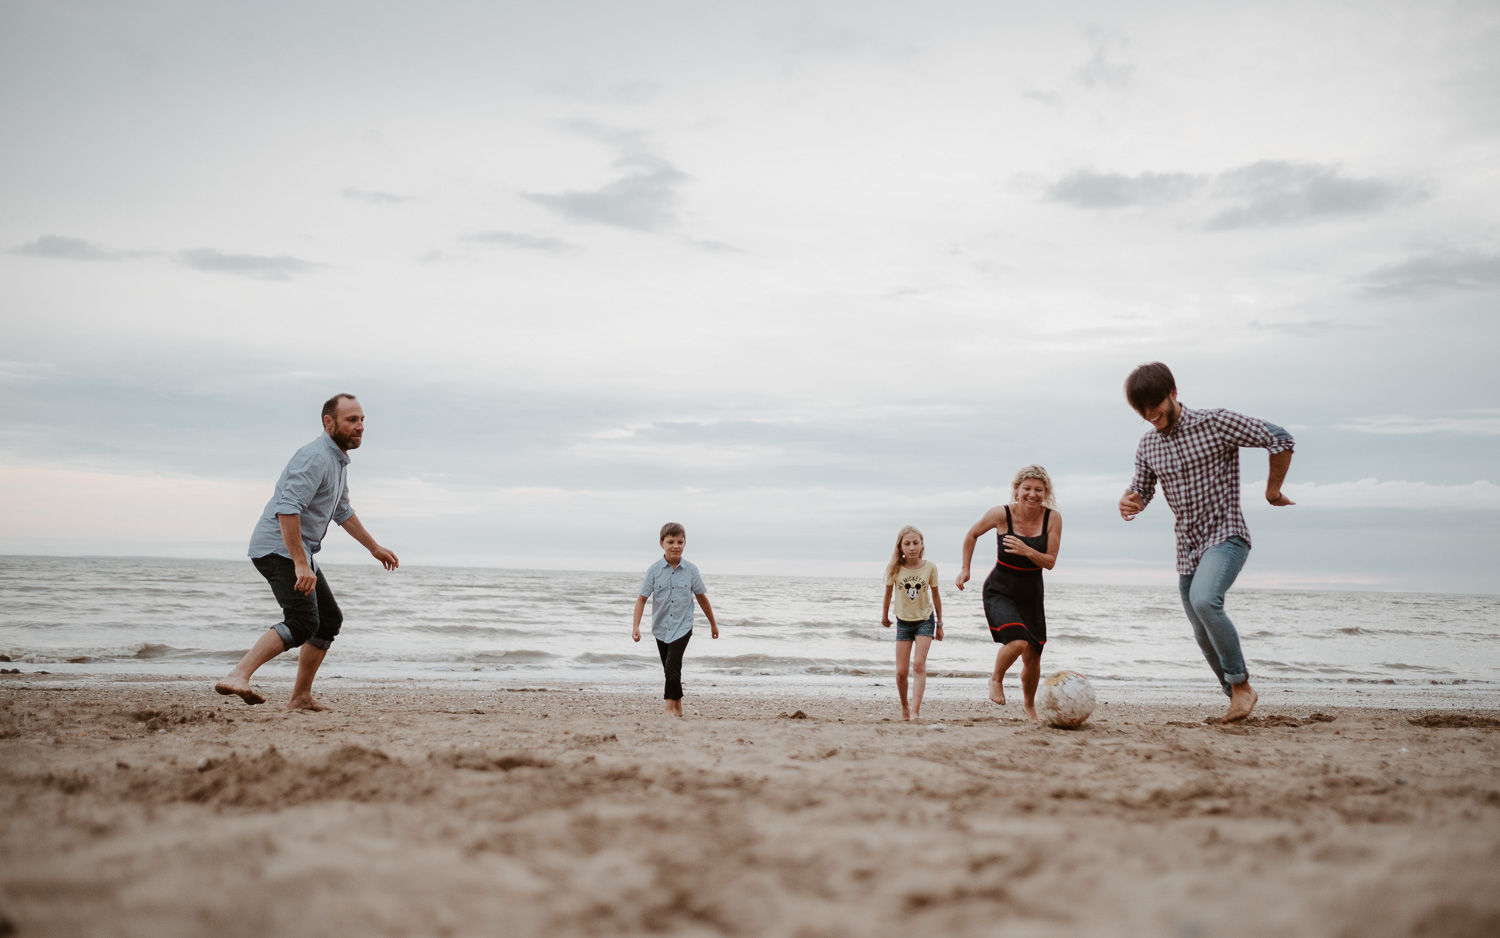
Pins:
<point x="672" y="583"/>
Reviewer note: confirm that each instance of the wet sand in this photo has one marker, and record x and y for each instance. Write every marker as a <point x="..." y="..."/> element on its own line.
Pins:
<point x="157" y="808"/>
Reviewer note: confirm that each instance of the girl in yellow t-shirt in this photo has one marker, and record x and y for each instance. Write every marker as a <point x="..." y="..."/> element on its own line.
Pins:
<point x="919" y="613"/>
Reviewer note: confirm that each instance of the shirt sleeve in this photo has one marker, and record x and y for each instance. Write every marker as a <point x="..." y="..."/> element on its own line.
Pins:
<point x="1252" y="431"/>
<point x="932" y="575"/>
<point x="344" y="511"/>
<point x="299" y="488"/>
<point x="646" y="584"/>
<point x="698" y="588"/>
<point x="1143" y="483"/>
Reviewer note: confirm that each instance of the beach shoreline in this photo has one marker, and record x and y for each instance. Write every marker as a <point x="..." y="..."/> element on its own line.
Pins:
<point x="155" y="807"/>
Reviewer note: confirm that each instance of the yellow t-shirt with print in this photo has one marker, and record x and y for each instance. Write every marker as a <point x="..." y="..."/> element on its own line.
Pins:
<point x="911" y="590"/>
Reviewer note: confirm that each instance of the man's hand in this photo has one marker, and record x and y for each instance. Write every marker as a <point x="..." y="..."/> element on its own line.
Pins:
<point x="386" y="558"/>
<point x="1131" y="505"/>
<point x="1278" y="499"/>
<point x="307" y="580"/>
<point x="963" y="577"/>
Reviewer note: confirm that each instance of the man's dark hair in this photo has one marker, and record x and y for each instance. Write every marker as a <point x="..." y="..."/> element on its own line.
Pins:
<point x="671" y="529"/>
<point x="1149" y="385"/>
<point x="331" y="406"/>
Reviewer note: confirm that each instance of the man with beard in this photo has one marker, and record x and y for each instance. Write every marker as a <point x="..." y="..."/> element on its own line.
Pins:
<point x="312" y="491"/>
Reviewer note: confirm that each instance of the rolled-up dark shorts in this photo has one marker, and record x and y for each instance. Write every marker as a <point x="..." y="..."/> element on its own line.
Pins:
<point x="313" y="617"/>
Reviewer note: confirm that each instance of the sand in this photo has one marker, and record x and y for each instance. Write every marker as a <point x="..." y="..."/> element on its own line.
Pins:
<point x="156" y="808"/>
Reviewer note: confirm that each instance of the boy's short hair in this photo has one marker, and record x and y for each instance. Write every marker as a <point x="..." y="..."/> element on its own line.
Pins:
<point x="671" y="529"/>
<point x="1149" y="385"/>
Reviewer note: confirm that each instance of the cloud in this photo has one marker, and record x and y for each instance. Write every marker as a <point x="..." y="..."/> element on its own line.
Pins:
<point x="1269" y="192"/>
<point x="643" y="199"/>
<point x="59" y="247"/>
<point x="586" y="87"/>
<point x="375" y="197"/>
<point x="281" y="267"/>
<point x="1484" y="422"/>
<point x="1274" y="192"/>
<point x="525" y="242"/>
<point x="1305" y="326"/>
<point x="1435" y="272"/>
<point x="1115" y="190"/>
<point x="1480" y="495"/>
<point x="1099" y="71"/>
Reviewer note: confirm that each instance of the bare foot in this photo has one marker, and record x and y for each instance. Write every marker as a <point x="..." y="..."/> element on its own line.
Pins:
<point x="1241" y="702"/>
<point x="305" y="703"/>
<point x="240" y="689"/>
<point x="1030" y="713"/>
<point x="905" y="712"/>
<point x="916" y="716"/>
<point x="997" y="692"/>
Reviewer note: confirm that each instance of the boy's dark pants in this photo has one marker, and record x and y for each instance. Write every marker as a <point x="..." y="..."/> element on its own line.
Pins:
<point x="313" y="617"/>
<point x="671" y="662"/>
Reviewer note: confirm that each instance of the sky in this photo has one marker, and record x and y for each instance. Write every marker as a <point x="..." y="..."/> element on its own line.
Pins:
<point x="792" y="274"/>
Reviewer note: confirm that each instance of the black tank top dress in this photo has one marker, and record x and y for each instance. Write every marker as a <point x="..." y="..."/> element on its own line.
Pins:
<point x="1013" y="591"/>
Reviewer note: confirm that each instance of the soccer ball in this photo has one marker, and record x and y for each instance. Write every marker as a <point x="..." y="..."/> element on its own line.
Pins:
<point x="1065" y="699"/>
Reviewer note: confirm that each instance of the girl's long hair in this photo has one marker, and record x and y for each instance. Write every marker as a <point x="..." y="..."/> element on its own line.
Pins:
<point x="1038" y="473"/>
<point x="895" y="564"/>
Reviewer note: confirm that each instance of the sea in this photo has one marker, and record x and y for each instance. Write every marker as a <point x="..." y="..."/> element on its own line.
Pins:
<point x="106" y="617"/>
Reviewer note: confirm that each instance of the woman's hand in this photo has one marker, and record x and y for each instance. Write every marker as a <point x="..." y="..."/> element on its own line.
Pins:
<point x="1014" y="545"/>
<point x="963" y="577"/>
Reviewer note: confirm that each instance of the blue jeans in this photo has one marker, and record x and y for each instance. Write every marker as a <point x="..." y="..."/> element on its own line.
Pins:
<point x="1203" y="599"/>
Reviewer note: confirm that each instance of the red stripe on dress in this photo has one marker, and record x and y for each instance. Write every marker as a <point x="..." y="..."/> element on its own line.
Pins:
<point x="1023" y="569"/>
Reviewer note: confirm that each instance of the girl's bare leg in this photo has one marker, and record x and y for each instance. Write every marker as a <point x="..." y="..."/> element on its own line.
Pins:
<point x="903" y="663"/>
<point x="1004" y="658"/>
<point x="1031" y="675"/>
<point x="919" y="684"/>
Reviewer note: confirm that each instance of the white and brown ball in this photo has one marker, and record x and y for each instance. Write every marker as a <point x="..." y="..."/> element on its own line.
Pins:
<point x="1065" y="699"/>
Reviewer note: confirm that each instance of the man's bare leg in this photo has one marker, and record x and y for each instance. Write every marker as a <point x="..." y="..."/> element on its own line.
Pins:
<point x="237" y="682"/>
<point x="308" y="660"/>
<point x="1004" y="658"/>
<point x="919" y="683"/>
<point x="1242" y="700"/>
<point x="1031" y="676"/>
<point x="903" y="666"/>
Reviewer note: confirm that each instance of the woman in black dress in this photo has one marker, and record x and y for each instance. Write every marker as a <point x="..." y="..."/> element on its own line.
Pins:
<point x="1028" y="531"/>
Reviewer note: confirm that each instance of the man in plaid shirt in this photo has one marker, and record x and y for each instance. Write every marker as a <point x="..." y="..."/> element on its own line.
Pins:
<point x="1195" y="455"/>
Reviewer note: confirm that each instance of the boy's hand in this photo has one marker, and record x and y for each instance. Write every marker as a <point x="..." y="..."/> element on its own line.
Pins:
<point x="713" y="630"/>
<point x="885" y="621"/>
<point x="635" y="632"/>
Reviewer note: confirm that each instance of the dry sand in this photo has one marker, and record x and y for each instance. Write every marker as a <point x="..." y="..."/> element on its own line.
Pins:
<point x="160" y="809"/>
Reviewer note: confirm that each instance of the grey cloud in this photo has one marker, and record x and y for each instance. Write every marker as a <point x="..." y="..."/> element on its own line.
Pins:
<point x="1270" y="192"/>
<point x="375" y="197"/>
<point x="1436" y="272"/>
<point x="1279" y="193"/>
<point x="523" y="241"/>
<point x="582" y="86"/>
<point x="1099" y="71"/>
<point x="1304" y="326"/>
<point x="714" y="247"/>
<point x="644" y="199"/>
<point x="1116" y="190"/>
<point x="58" y="247"/>
<point x="281" y="267"/>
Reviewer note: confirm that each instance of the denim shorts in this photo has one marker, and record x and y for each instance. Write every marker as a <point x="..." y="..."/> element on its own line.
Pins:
<point x="908" y="631"/>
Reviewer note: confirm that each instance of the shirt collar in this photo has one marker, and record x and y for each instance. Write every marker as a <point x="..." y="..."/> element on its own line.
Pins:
<point x="338" y="454"/>
<point x="1185" y="418"/>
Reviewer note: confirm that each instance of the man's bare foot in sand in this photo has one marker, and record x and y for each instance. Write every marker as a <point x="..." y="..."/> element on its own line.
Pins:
<point x="997" y="692"/>
<point x="305" y="703"/>
<point x="1030" y="713"/>
<point x="240" y="689"/>
<point x="1242" y="700"/>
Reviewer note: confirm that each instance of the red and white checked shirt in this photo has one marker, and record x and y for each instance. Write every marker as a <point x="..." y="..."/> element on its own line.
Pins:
<point x="1198" y="463"/>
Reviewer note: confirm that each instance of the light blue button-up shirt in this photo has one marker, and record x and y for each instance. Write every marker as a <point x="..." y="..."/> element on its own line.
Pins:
<point x="315" y="485"/>
<point x="671" y="590"/>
